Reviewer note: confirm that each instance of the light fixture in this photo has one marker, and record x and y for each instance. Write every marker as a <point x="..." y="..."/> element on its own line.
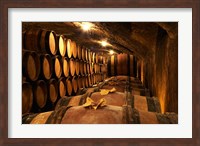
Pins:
<point x="86" y="26"/>
<point x="104" y="43"/>
<point x="111" y="52"/>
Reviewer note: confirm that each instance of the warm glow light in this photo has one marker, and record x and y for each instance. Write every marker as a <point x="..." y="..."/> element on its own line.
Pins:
<point x="111" y="52"/>
<point x="104" y="43"/>
<point x="86" y="26"/>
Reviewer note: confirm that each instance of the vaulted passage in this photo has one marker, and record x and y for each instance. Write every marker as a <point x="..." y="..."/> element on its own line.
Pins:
<point x="100" y="72"/>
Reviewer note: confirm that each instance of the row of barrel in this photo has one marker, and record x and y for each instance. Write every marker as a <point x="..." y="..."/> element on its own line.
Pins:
<point x="48" y="42"/>
<point x="44" y="66"/>
<point x="43" y="95"/>
<point x="120" y="108"/>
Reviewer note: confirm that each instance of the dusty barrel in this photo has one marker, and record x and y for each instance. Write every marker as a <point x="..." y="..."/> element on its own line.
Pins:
<point x="72" y="66"/>
<point x="40" y="94"/>
<point x="52" y="90"/>
<point x="116" y="98"/>
<point x="30" y="65"/>
<point x="48" y="42"/>
<point x="71" y="101"/>
<point x="27" y="97"/>
<point x="79" y="51"/>
<point x="46" y="66"/>
<point x="62" y="87"/>
<point x="39" y="118"/>
<point x="145" y="117"/>
<point x="75" y="84"/>
<point x="81" y="68"/>
<point x="57" y="66"/>
<point x="104" y="115"/>
<point x="69" y="86"/>
<point x="77" y="69"/>
<point x="65" y="66"/>
<point x="32" y="39"/>
<point x="69" y="48"/>
<point x="61" y="43"/>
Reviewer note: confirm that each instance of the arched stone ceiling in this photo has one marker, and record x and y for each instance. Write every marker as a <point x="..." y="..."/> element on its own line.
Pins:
<point x="138" y="38"/>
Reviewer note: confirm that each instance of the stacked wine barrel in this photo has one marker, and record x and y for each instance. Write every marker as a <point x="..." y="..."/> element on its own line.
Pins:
<point x="53" y="67"/>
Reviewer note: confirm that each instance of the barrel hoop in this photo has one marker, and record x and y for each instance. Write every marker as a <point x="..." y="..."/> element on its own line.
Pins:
<point x="151" y="104"/>
<point x="50" y="118"/>
<point x="136" y="116"/>
<point x="61" y="114"/>
<point x="125" y="117"/>
<point x="157" y="104"/>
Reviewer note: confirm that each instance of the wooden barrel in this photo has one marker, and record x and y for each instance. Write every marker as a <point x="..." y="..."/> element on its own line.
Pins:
<point x="115" y="98"/>
<point x="145" y="117"/>
<point x="119" y="88"/>
<point x="57" y="66"/>
<point x="30" y="65"/>
<point x="69" y="86"/>
<point x="91" y="68"/>
<point x="81" y="68"/>
<point x="46" y="66"/>
<point x="77" y="67"/>
<point x="65" y="63"/>
<point x="62" y="87"/>
<point x="69" y="48"/>
<point x="48" y="42"/>
<point x="145" y="103"/>
<point x="103" y="68"/>
<point x="74" y="49"/>
<point x="92" y="79"/>
<point x="27" y="97"/>
<point x="32" y="39"/>
<point x="79" y="51"/>
<point x="79" y="80"/>
<point x="86" y="54"/>
<point x="86" y="81"/>
<point x="83" y="81"/>
<point x="72" y="66"/>
<point x="88" y="68"/>
<point x="89" y="80"/>
<point x="40" y="94"/>
<point x="104" y="115"/>
<point x="61" y="45"/>
<point x="74" y="84"/>
<point x="71" y="101"/>
<point x="89" y="56"/>
<point x="85" y="68"/>
<point x="52" y="90"/>
<point x="83" y="54"/>
<point x="93" y="57"/>
<point x="96" y="58"/>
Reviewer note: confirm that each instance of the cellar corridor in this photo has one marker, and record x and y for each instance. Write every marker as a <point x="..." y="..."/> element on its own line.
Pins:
<point x="99" y="73"/>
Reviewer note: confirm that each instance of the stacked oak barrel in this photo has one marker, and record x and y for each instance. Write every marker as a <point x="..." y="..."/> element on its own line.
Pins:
<point x="54" y="66"/>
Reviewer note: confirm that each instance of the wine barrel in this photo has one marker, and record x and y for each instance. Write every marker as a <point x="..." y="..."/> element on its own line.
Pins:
<point x="88" y="68"/>
<point x="93" y="57"/>
<point x="96" y="58"/>
<point x="89" y="80"/>
<point x="61" y="45"/>
<point x="85" y="68"/>
<point x="71" y="101"/>
<point x="83" y="54"/>
<point x="32" y="39"/>
<point x="40" y="94"/>
<point x="74" y="49"/>
<point x="65" y="64"/>
<point x="62" y="86"/>
<point x="89" y="56"/>
<point x="30" y="65"/>
<point x="79" y="51"/>
<point x="81" y="68"/>
<point x="74" y="84"/>
<point x="119" y="88"/>
<point x="83" y="81"/>
<point x="79" y="80"/>
<point x="72" y="66"/>
<point x="104" y="115"/>
<point x="27" y="97"/>
<point x="115" y="98"/>
<point x="145" y="117"/>
<point x="69" y="86"/>
<point x="103" y="68"/>
<point x="91" y="68"/>
<point x="57" y="66"/>
<point x="86" y="81"/>
<point x="77" y="69"/>
<point x="48" y="42"/>
<point x="86" y="54"/>
<point x="69" y="48"/>
<point x="46" y="66"/>
<point x="52" y="90"/>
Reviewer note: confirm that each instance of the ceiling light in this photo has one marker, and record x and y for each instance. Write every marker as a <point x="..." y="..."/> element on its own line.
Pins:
<point x="86" y="26"/>
<point x="104" y="43"/>
<point x="111" y="52"/>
